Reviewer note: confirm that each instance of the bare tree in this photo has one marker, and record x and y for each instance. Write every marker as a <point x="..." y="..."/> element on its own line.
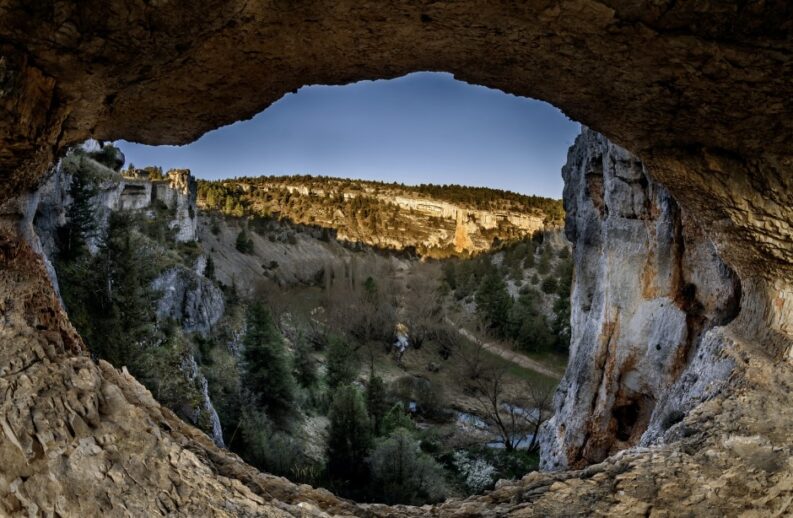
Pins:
<point x="514" y="412"/>
<point x="422" y="308"/>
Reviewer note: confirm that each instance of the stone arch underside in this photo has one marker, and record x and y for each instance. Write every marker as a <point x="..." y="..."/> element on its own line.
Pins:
<point x="701" y="92"/>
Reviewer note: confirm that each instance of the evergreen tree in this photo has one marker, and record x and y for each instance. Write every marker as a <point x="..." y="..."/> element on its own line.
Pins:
<point x="376" y="403"/>
<point x="402" y="473"/>
<point x="544" y="265"/>
<point x="450" y="273"/>
<point x="305" y="367"/>
<point x="349" y="437"/>
<point x="370" y="287"/>
<point x="527" y="325"/>
<point x="342" y="362"/>
<point x="267" y="373"/>
<point x="395" y="418"/>
<point x="110" y="297"/>
<point x="211" y="199"/>
<point x="550" y="285"/>
<point x="80" y="218"/>
<point x="561" y="308"/>
<point x="244" y="244"/>
<point x="209" y="268"/>
<point x="493" y="301"/>
<point x="528" y="261"/>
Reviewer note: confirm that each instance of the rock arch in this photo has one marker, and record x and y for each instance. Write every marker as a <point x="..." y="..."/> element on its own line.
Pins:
<point x="700" y="91"/>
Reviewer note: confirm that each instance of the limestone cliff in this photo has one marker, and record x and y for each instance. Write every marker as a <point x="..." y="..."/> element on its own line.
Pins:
<point x="114" y="191"/>
<point x="433" y="221"/>
<point x="648" y="288"/>
<point x="184" y="295"/>
<point x="189" y="298"/>
<point x="177" y="192"/>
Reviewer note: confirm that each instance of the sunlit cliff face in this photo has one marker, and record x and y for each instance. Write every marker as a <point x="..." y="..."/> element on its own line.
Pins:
<point x="700" y="93"/>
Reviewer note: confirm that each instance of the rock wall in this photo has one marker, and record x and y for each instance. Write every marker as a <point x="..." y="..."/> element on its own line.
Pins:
<point x="648" y="289"/>
<point x="114" y="192"/>
<point x="189" y="298"/>
<point x="178" y="193"/>
<point x="396" y="217"/>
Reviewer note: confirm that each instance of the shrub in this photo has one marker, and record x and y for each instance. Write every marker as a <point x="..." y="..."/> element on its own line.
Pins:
<point x="477" y="473"/>
<point x="401" y="473"/>
<point x="549" y="285"/>
<point x="244" y="244"/>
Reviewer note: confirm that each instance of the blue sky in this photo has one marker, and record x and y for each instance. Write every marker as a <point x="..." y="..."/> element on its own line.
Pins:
<point x="421" y="128"/>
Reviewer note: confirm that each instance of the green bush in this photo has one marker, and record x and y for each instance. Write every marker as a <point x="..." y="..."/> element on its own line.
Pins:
<point x="244" y="244"/>
<point x="549" y="285"/>
<point x="402" y="473"/>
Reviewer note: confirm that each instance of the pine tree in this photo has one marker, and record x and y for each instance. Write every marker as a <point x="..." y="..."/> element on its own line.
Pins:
<point x="402" y="473"/>
<point x="545" y="260"/>
<point x="209" y="268"/>
<point x="561" y="308"/>
<point x="244" y="244"/>
<point x="550" y="285"/>
<point x="370" y="288"/>
<point x="267" y="373"/>
<point x="211" y="199"/>
<point x="527" y="325"/>
<point x="305" y="367"/>
<point x="349" y="437"/>
<point x="493" y="301"/>
<point x="528" y="261"/>
<point x="342" y="363"/>
<point x="123" y="313"/>
<point x="376" y="403"/>
<point x="80" y="218"/>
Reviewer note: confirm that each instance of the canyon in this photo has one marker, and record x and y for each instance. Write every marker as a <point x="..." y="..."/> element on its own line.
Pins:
<point x="700" y="93"/>
<point x="432" y="221"/>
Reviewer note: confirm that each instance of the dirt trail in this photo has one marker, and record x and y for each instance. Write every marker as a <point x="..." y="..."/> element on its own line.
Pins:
<point x="507" y="354"/>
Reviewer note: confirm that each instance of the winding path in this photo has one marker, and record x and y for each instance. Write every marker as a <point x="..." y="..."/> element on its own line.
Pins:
<point x="507" y="354"/>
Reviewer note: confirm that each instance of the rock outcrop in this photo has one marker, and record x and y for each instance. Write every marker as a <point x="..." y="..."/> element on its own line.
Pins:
<point x="190" y="299"/>
<point x="648" y="290"/>
<point x="426" y="220"/>
<point x="178" y="193"/>
<point x="113" y="192"/>
<point x="185" y="296"/>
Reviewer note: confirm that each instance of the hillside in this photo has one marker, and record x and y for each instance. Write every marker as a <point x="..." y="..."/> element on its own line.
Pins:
<point x="434" y="221"/>
<point x="267" y="334"/>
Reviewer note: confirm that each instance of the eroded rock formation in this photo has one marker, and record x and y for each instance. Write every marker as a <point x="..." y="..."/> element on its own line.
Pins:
<point x="189" y="299"/>
<point x="700" y="91"/>
<point x="461" y="222"/>
<point x="649" y="288"/>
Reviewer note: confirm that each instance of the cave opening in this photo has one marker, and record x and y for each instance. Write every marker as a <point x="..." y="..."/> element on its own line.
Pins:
<point x="417" y="265"/>
<point x="698" y="92"/>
